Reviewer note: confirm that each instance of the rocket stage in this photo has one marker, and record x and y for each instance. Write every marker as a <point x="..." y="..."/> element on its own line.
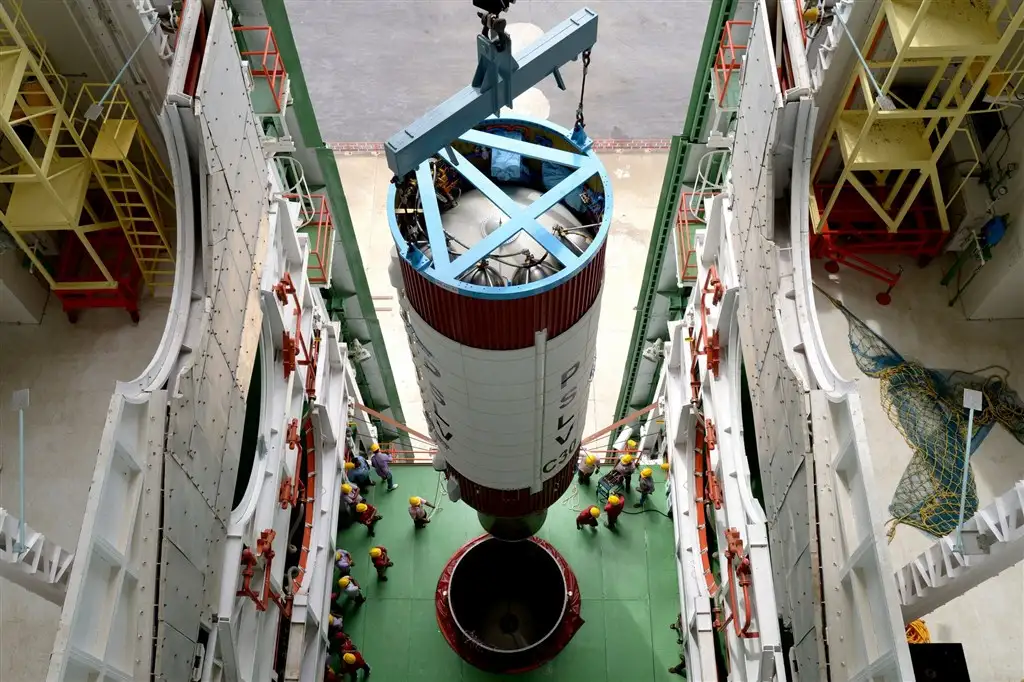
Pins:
<point x="625" y="637"/>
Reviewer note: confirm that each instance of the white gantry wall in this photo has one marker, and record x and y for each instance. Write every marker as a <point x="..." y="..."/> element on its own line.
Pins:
<point x="827" y="541"/>
<point x="161" y="548"/>
<point x="712" y="497"/>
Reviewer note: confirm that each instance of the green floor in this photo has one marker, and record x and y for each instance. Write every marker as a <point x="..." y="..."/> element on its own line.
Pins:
<point x="627" y="581"/>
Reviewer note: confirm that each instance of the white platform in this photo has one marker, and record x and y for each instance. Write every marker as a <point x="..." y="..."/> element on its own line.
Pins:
<point x="70" y="371"/>
<point x="921" y="326"/>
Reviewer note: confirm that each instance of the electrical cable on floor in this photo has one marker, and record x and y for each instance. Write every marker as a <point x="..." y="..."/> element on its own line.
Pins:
<point x="438" y="494"/>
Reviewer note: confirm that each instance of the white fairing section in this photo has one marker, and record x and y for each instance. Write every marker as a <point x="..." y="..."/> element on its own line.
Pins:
<point x="828" y="541"/>
<point x="152" y="588"/>
<point x="506" y="420"/>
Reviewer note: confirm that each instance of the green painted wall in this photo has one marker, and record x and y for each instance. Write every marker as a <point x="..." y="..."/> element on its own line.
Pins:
<point x="309" y="130"/>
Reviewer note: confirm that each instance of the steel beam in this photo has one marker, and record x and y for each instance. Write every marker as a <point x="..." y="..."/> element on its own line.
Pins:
<point x="41" y="567"/>
<point x="407" y="149"/>
<point x="994" y="541"/>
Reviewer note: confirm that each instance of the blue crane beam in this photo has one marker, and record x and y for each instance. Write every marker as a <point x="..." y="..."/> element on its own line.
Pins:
<point x="501" y="79"/>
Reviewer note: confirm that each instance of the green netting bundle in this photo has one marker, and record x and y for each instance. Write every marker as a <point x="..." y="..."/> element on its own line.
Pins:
<point x="926" y="406"/>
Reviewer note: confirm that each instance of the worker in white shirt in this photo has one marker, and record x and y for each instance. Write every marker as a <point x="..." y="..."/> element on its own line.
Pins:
<point x="627" y="464"/>
<point x="350" y="590"/>
<point x="417" y="512"/>
<point x="590" y="466"/>
<point x="350" y="494"/>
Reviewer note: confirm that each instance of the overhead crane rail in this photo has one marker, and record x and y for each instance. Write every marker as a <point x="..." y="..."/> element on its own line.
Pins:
<point x="498" y="80"/>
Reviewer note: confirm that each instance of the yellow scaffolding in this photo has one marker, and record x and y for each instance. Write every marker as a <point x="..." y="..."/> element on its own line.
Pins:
<point x="57" y="175"/>
<point x="130" y="171"/>
<point x="878" y="133"/>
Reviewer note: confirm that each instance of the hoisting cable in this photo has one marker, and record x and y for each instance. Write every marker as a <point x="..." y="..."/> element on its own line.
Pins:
<point x="580" y="123"/>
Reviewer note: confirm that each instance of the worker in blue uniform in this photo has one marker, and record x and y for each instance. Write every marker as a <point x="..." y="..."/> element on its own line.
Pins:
<point x="360" y="473"/>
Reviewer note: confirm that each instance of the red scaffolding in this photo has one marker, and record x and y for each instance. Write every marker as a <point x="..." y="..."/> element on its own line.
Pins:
<point x="265" y="61"/>
<point x="854" y="231"/>
<point x="689" y="218"/>
<point x="729" y="59"/>
<point x="75" y="264"/>
<point x="320" y="228"/>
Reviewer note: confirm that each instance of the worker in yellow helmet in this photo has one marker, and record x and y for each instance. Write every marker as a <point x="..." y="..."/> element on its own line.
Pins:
<point x="360" y="473"/>
<point x="380" y="461"/>
<point x="367" y="515"/>
<point x="352" y="662"/>
<point x="381" y="561"/>
<point x="588" y="517"/>
<point x="350" y="493"/>
<point x="343" y="561"/>
<point x="646" y="486"/>
<point x="588" y="468"/>
<point x="336" y="630"/>
<point x="627" y="464"/>
<point x="665" y="466"/>
<point x="613" y="509"/>
<point x="417" y="512"/>
<point x="348" y="590"/>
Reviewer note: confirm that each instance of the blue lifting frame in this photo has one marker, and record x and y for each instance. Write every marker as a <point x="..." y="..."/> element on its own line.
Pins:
<point x="498" y="80"/>
<point x="440" y="269"/>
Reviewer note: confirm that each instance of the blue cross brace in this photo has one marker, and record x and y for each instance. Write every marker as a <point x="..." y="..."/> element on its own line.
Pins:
<point x="446" y="272"/>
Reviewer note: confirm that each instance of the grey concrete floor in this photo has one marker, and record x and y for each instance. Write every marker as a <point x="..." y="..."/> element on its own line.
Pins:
<point x="373" y="66"/>
<point x="636" y="181"/>
<point x="920" y="325"/>
<point x="70" y="371"/>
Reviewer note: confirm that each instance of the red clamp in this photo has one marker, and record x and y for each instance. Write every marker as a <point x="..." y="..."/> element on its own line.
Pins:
<point x="284" y="288"/>
<point x="289" y="493"/>
<point x="714" y="490"/>
<point x="289" y="353"/>
<point x="714" y="353"/>
<point x="292" y="436"/>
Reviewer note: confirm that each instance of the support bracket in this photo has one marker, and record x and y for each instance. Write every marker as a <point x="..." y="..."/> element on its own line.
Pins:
<point x="498" y="80"/>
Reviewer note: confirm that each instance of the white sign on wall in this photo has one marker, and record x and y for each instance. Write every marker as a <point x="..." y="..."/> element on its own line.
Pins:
<point x="506" y="419"/>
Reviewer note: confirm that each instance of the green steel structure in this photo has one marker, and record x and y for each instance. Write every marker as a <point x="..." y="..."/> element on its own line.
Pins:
<point x="348" y="300"/>
<point x="661" y="299"/>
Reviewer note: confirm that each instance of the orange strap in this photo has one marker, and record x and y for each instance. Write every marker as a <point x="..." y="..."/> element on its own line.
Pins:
<point x="622" y="422"/>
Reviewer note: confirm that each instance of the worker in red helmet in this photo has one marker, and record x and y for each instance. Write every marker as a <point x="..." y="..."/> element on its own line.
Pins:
<point x="614" y="507"/>
<point x="588" y="517"/>
<point x="367" y="515"/>
<point x="381" y="561"/>
<point x="352" y="662"/>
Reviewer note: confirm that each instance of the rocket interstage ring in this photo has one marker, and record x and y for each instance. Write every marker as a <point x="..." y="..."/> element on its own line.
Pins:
<point x="507" y="607"/>
<point x="500" y="244"/>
